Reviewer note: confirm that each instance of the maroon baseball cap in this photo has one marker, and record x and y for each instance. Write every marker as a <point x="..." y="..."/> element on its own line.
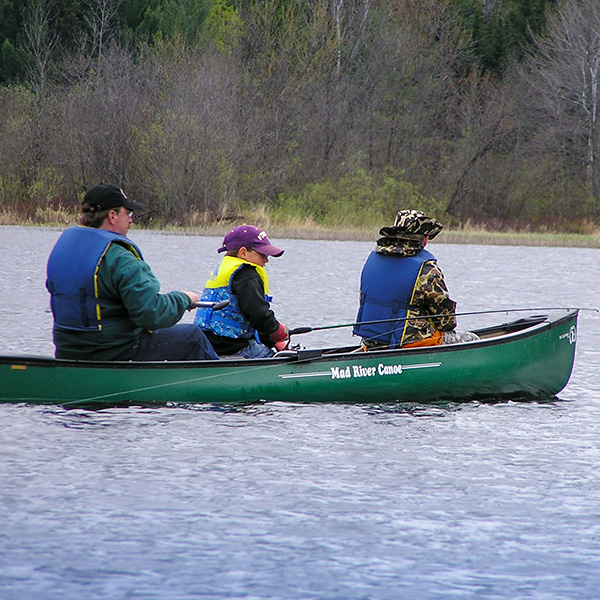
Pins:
<point x="250" y="237"/>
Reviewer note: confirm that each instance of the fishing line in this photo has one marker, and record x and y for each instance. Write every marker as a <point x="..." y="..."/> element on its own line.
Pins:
<point x="300" y="330"/>
<point x="244" y="370"/>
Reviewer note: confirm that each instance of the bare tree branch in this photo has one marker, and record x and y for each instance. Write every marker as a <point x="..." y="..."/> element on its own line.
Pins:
<point x="41" y="42"/>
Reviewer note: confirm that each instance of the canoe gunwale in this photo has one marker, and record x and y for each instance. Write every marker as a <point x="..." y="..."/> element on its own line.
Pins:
<point x="538" y="324"/>
<point x="527" y="363"/>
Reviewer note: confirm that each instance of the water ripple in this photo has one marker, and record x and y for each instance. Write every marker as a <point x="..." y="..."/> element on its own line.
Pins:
<point x="291" y="501"/>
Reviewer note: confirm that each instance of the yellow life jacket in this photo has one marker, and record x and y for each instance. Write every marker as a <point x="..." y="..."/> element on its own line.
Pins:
<point x="226" y="269"/>
<point x="229" y="321"/>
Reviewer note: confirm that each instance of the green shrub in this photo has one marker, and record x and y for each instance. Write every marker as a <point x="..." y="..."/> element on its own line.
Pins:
<point x="356" y="199"/>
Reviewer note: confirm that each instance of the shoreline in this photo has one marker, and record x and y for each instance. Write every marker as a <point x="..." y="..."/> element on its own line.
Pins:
<point x="467" y="237"/>
<point x="455" y="236"/>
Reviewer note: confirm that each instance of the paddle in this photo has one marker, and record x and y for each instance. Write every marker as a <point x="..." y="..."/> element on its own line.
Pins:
<point x="213" y="305"/>
<point x="203" y="304"/>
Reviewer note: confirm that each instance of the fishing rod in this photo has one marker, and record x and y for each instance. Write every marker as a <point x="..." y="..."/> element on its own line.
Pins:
<point x="264" y="366"/>
<point x="300" y="330"/>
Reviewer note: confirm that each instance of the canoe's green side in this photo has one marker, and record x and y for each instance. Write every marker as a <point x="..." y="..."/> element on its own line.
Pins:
<point x="536" y="365"/>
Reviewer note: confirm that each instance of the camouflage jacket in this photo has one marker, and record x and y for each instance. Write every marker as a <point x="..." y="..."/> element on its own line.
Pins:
<point x="430" y="298"/>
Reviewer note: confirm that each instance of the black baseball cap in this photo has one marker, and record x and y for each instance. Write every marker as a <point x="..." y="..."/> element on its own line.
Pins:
<point x="105" y="196"/>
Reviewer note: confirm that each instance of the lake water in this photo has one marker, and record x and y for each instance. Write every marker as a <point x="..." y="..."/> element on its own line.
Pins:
<point x="292" y="502"/>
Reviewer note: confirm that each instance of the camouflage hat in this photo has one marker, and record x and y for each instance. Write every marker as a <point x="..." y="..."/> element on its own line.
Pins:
<point x="406" y="237"/>
<point x="412" y="224"/>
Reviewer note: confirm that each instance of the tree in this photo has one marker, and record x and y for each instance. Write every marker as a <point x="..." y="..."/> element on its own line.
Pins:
<point x="41" y="42"/>
<point x="155" y="19"/>
<point x="564" y="81"/>
<point x="12" y="57"/>
<point x="100" y="19"/>
<point x="501" y="30"/>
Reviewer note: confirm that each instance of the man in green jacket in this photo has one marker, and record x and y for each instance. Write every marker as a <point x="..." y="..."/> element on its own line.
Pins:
<point x="106" y="301"/>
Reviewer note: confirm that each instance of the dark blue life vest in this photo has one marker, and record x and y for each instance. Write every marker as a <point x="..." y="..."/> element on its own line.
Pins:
<point x="387" y="286"/>
<point x="72" y="277"/>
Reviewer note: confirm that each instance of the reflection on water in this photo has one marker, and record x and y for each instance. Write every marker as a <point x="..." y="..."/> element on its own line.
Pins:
<point x="283" y="501"/>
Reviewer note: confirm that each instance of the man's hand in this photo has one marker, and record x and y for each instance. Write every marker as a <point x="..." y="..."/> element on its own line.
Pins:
<point x="193" y="299"/>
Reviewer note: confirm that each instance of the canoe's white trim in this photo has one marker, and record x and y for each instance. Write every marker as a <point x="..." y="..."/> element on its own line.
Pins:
<point x="300" y="375"/>
<point x="329" y="374"/>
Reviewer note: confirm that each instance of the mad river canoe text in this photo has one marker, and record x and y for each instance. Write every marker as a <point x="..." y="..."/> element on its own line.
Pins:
<point x="355" y="371"/>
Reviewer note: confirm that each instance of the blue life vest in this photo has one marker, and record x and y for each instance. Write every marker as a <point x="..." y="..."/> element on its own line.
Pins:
<point x="72" y="277"/>
<point x="229" y="321"/>
<point x="387" y="287"/>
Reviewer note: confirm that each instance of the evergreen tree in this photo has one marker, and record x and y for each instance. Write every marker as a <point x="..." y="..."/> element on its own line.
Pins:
<point x="151" y="19"/>
<point x="12" y="57"/>
<point x="502" y="29"/>
<point x="134" y="19"/>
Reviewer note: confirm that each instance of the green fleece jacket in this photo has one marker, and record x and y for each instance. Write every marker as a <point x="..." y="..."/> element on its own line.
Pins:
<point x="130" y="283"/>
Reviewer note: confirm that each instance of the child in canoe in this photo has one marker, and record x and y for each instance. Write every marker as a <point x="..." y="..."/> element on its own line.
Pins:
<point x="246" y="327"/>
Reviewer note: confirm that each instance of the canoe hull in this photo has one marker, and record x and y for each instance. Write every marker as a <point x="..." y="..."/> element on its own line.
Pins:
<point x="533" y="362"/>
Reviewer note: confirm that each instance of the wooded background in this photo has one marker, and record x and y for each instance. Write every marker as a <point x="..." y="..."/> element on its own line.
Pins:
<point x="339" y="112"/>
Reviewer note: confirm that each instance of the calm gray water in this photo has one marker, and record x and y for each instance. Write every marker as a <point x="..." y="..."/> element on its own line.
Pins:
<point x="306" y="502"/>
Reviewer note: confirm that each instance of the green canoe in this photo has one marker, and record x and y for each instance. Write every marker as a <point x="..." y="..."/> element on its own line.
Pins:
<point x="528" y="358"/>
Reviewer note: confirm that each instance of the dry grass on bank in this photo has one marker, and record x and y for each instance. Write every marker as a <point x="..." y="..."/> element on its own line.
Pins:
<point x="41" y="217"/>
<point x="308" y="230"/>
<point x="462" y="236"/>
<point x="569" y="240"/>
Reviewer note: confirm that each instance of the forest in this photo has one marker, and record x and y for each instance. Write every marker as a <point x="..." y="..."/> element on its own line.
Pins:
<point x="335" y="113"/>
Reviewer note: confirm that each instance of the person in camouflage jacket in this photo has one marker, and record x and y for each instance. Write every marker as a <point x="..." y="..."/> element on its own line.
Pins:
<point x="412" y="291"/>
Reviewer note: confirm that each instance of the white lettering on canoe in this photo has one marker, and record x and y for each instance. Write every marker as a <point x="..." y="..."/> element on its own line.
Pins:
<point x="389" y="369"/>
<point x="360" y="371"/>
<point x="571" y="335"/>
<point x="343" y="373"/>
